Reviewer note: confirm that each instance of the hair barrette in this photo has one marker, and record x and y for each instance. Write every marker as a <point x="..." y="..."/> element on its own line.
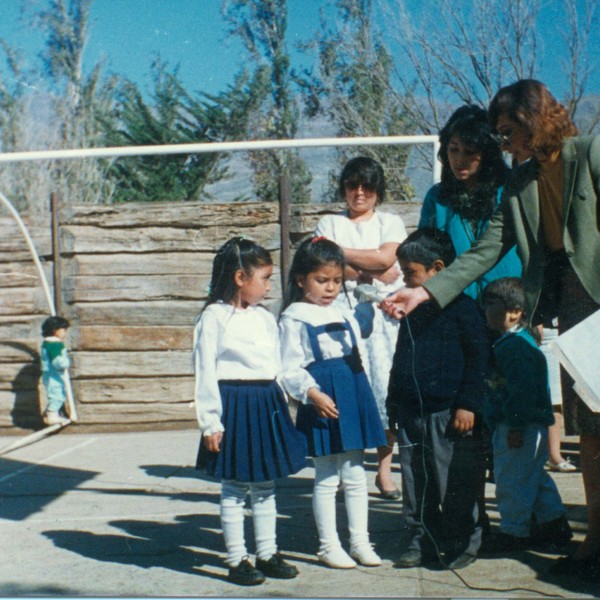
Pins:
<point x="319" y="238"/>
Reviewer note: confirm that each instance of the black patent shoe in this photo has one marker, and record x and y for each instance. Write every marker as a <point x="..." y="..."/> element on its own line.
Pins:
<point x="245" y="573"/>
<point x="276" y="567"/>
<point x="393" y="494"/>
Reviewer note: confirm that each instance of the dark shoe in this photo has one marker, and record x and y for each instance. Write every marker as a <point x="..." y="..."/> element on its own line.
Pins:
<point x="245" y="573"/>
<point x="393" y="494"/>
<point x="463" y="560"/>
<point x="555" y="533"/>
<point x="276" y="567"/>
<point x="504" y="542"/>
<point x="410" y="558"/>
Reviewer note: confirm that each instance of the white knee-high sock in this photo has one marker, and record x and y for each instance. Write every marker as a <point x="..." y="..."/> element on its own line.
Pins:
<point x="233" y="497"/>
<point x="264" y="515"/>
<point x="326" y="485"/>
<point x="356" y="496"/>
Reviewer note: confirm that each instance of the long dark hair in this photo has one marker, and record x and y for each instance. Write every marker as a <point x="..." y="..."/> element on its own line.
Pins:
<point x="237" y="253"/>
<point x="470" y="124"/>
<point x="311" y="254"/>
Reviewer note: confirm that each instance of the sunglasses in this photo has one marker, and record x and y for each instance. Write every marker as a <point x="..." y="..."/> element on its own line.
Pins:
<point x="502" y="139"/>
<point x="353" y="184"/>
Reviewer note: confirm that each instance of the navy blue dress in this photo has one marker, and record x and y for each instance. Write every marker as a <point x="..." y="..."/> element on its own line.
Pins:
<point x="344" y="380"/>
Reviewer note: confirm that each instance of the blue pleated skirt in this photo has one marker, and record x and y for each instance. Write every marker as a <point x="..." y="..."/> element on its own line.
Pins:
<point x="358" y="425"/>
<point x="260" y="442"/>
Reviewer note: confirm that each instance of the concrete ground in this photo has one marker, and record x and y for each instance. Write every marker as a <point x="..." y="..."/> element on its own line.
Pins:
<point x="127" y="515"/>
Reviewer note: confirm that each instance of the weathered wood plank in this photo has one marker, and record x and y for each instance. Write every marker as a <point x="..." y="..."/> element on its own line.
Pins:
<point x="174" y="214"/>
<point x="80" y="239"/>
<point x="139" y="314"/>
<point x="23" y="274"/>
<point x="188" y="263"/>
<point x="127" y="364"/>
<point x="21" y="327"/>
<point x="132" y="390"/>
<point x="19" y="350"/>
<point x="22" y="301"/>
<point x="133" y="338"/>
<point x="20" y="376"/>
<point x="135" y="288"/>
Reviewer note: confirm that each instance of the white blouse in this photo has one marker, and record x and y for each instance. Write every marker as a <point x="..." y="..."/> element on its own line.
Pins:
<point x="380" y="229"/>
<point x="296" y="351"/>
<point x="231" y="343"/>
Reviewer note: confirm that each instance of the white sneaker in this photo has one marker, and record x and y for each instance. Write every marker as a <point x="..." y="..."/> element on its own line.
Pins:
<point x="53" y="418"/>
<point x="565" y="466"/>
<point x="337" y="558"/>
<point x="365" y="555"/>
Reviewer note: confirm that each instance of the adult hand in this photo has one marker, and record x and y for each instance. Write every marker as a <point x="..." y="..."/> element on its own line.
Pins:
<point x="404" y="301"/>
<point x="463" y="420"/>
<point x="213" y="442"/>
<point x="389" y="275"/>
<point x="323" y="404"/>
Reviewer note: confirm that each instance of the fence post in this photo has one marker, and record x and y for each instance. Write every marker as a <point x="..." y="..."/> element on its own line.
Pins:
<point x="285" y="194"/>
<point x="56" y="258"/>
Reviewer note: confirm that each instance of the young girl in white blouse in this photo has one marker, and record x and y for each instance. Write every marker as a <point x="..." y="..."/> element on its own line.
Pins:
<point x="337" y="413"/>
<point x="248" y="438"/>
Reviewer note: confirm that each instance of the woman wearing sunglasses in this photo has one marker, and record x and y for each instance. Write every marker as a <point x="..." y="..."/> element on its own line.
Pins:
<point x="551" y="210"/>
<point x="369" y="238"/>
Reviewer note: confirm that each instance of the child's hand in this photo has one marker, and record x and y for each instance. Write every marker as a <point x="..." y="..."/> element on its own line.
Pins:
<point x="323" y="404"/>
<point x="463" y="421"/>
<point x="514" y="438"/>
<point x="213" y="442"/>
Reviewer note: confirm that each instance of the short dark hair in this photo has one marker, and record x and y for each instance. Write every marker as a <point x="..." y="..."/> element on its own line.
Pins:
<point x="508" y="290"/>
<point x="365" y="171"/>
<point x="425" y="246"/>
<point x="52" y="324"/>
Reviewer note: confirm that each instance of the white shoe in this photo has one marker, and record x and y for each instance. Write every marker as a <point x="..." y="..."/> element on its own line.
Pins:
<point x="53" y="418"/>
<point x="565" y="466"/>
<point x="365" y="555"/>
<point x="337" y="558"/>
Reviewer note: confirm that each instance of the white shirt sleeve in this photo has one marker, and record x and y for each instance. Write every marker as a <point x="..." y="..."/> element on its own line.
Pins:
<point x="295" y="379"/>
<point x="325" y="227"/>
<point x="207" y="397"/>
<point x="392" y="228"/>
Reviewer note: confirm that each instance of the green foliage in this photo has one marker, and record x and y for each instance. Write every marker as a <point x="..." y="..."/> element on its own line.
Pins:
<point x="261" y="25"/>
<point x="351" y="86"/>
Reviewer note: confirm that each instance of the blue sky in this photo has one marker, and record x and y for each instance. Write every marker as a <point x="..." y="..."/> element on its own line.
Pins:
<point x="192" y="34"/>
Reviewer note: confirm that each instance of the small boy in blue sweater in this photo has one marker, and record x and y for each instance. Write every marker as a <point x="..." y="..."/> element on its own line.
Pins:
<point x="435" y="401"/>
<point x="55" y="362"/>
<point x="518" y="410"/>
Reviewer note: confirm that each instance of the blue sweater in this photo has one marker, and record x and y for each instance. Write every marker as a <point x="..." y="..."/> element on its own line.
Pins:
<point x="435" y="212"/>
<point x="448" y="359"/>
<point x="518" y="389"/>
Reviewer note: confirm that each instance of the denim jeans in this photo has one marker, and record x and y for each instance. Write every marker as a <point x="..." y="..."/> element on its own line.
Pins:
<point x="523" y="487"/>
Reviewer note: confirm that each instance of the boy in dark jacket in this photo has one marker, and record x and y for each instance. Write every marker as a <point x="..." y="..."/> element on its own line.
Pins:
<point x="435" y="402"/>
<point x="518" y="410"/>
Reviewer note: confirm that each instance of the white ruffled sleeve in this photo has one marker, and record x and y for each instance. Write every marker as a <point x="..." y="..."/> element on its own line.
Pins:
<point x="209" y="407"/>
<point x="295" y="379"/>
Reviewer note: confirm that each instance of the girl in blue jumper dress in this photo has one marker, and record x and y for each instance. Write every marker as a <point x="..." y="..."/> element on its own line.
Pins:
<point x="248" y="437"/>
<point x="337" y="413"/>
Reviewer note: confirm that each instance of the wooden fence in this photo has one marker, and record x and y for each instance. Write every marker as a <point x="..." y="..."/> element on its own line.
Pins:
<point x="131" y="278"/>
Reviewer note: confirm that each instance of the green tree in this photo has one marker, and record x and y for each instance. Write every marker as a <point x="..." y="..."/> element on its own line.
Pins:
<point x="80" y="103"/>
<point x="261" y="25"/>
<point x="351" y="85"/>
<point x="173" y="116"/>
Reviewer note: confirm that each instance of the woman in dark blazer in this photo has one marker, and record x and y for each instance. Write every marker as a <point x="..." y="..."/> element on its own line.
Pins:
<point x="551" y="211"/>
